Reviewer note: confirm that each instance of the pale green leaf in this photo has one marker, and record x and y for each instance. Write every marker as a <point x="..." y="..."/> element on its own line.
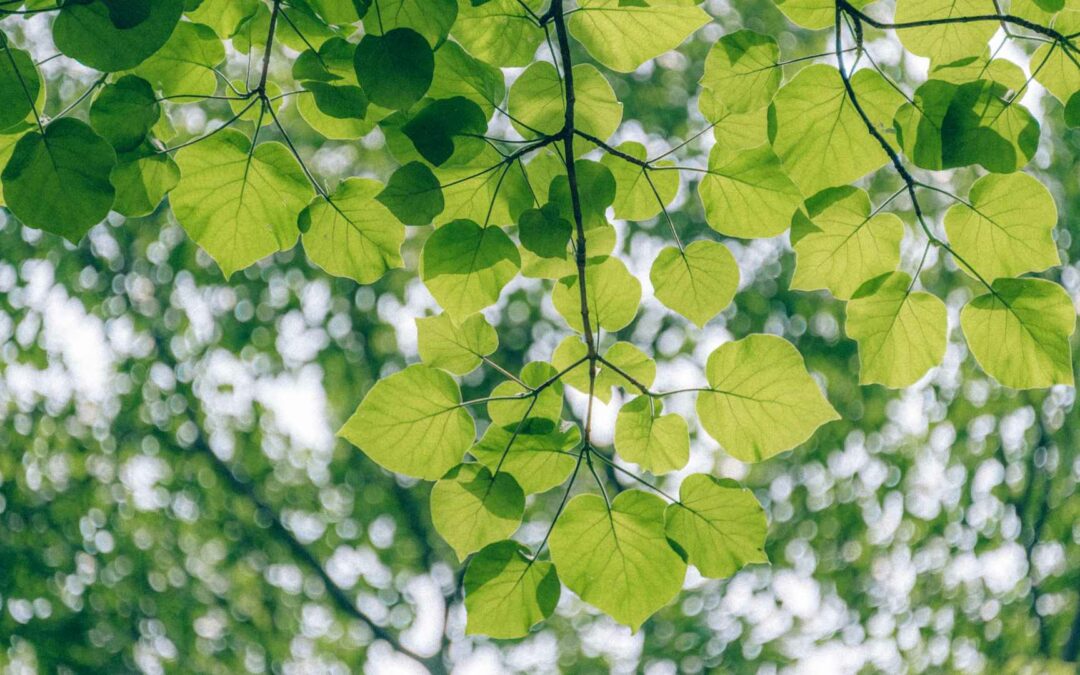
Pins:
<point x="640" y="194"/>
<point x="537" y="102"/>
<point x="537" y="452"/>
<point x="499" y="32"/>
<point x="413" y="423"/>
<point x="697" y="282"/>
<point x="453" y="347"/>
<point x="185" y="64"/>
<point x="1020" y="333"/>
<point x="547" y="404"/>
<point x="1005" y="227"/>
<point x="760" y="401"/>
<point x="466" y="266"/>
<point x="622" y="36"/>
<point x="901" y="333"/>
<point x="351" y="234"/>
<point x="947" y="41"/>
<point x="719" y="524"/>
<point x="841" y="244"/>
<point x="470" y="508"/>
<point x="658" y="443"/>
<point x="814" y="14"/>
<point x="430" y="18"/>
<point x="507" y="593"/>
<point x="747" y="193"/>
<point x="742" y="70"/>
<point x="617" y="559"/>
<point x="613" y="296"/>
<point x="239" y="203"/>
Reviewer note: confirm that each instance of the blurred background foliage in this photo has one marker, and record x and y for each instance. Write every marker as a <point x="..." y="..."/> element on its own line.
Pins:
<point x="173" y="498"/>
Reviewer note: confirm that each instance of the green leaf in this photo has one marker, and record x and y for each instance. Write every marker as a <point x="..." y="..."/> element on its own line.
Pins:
<point x="1072" y="111"/>
<point x="413" y="194"/>
<point x="720" y="525"/>
<point x="342" y="102"/>
<point x="950" y="41"/>
<point x="472" y="191"/>
<point x="335" y="128"/>
<point x="332" y="62"/>
<point x="842" y="244"/>
<point x="224" y="16"/>
<point x="548" y="404"/>
<point x="499" y="32"/>
<point x="536" y="452"/>
<point x="760" y="401"/>
<point x="982" y="67"/>
<point x="747" y="194"/>
<point x="612" y="292"/>
<point x="951" y="126"/>
<point x="448" y="128"/>
<point x="20" y="86"/>
<point x="466" y="266"/>
<point x="733" y="131"/>
<point x="111" y="35"/>
<point x="698" y="282"/>
<point x="413" y="423"/>
<point x="624" y="355"/>
<point x="656" y="442"/>
<point x="459" y="74"/>
<point x="351" y="234"/>
<point x="456" y="348"/>
<point x="742" y="70"/>
<point x="643" y="32"/>
<point x="470" y="508"/>
<point x="814" y="14"/>
<point x="430" y="18"/>
<point x="124" y="112"/>
<point x="142" y="178"/>
<point x="544" y="232"/>
<point x="818" y="134"/>
<point x="507" y="593"/>
<point x="239" y="203"/>
<point x="185" y="64"/>
<point x="395" y="69"/>
<point x="901" y="334"/>
<point x="1057" y="69"/>
<point x="617" y="559"/>
<point x="1005" y="229"/>
<point x="635" y="198"/>
<point x="59" y="181"/>
<point x="1020" y="332"/>
<point x="537" y="105"/>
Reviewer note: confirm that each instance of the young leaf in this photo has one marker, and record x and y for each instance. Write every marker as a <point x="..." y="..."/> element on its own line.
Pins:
<point x="142" y="178"/>
<point x="412" y="423"/>
<point x="499" y="32"/>
<point x="1005" y="228"/>
<point x="547" y="404"/>
<point x="948" y="41"/>
<point x="124" y="112"/>
<point x="506" y="593"/>
<point x="617" y="559"/>
<point x="466" y="266"/>
<point x="1019" y="334"/>
<point x="413" y="194"/>
<point x="537" y="102"/>
<point x="470" y="508"/>
<point x="842" y="244"/>
<point x="351" y="234"/>
<point x="536" y="452"/>
<point x="107" y="35"/>
<point x="640" y="193"/>
<point x="719" y="524"/>
<point x="818" y="133"/>
<point x="430" y="18"/>
<point x="59" y="181"/>
<point x="20" y="86"/>
<point x="741" y="68"/>
<point x="612" y="292"/>
<point x="747" y="194"/>
<point x="814" y="14"/>
<point x="456" y="348"/>
<point x="643" y="31"/>
<point x="623" y="355"/>
<point x="656" y="442"/>
<point x="698" y="282"/>
<point x="901" y="334"/>
<point x="760" y="401"/>
<point x="185" y="64"/>
<point x="395" y="69"/>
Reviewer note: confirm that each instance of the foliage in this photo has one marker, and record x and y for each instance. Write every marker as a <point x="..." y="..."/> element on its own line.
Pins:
<point x="519" y="182"/>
